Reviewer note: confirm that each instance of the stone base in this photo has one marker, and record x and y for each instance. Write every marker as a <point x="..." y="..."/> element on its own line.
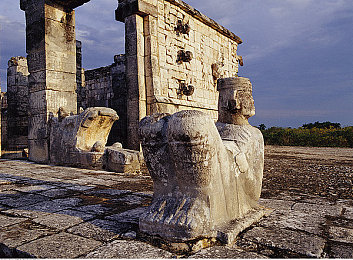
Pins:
<point x="227" y="234"/>
<point x="223" y="235"/>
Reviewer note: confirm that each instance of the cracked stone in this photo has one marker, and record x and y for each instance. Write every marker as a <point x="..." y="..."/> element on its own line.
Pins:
<point x="62" y="245"/>
<point x="225" y="252"/>
<point x="8" y="221"/>
<point x="58" y="221"/>
<point x="295" y="241"/>
<point x="16" y="235"/>
<point x="128" y="249"/>
<point x="90" y="230"/>
<point x="341" y="234"/>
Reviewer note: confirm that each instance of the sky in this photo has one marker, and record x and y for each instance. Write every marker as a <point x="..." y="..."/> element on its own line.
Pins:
<point x="298" y="54"/>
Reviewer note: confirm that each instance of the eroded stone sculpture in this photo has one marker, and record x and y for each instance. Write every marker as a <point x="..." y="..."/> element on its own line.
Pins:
<point x="207" y="177"/>
<point x="79" y="140"/>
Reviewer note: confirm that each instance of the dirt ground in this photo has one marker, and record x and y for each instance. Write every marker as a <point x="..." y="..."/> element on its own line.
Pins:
<point x="325" y="172"/>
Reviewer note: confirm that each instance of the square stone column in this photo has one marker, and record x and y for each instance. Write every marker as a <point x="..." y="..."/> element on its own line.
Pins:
<point x="51" y="49"/>
<point x="135" y="76"/>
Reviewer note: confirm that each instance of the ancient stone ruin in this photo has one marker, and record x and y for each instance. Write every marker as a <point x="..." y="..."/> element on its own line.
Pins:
<point x="178" y="76"/>
<point x="207" y="177"/>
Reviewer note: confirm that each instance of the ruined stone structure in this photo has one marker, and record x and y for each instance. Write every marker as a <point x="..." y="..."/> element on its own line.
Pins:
<point x="207" y="179"/>
<point x="17" y="99"/>
<point x="51" y="49"/>
<point x="174" y="56"/>
<point x="171" y="55"/>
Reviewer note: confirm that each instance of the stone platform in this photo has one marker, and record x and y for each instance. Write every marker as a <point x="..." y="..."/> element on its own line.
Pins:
<point x="61" y="212"/>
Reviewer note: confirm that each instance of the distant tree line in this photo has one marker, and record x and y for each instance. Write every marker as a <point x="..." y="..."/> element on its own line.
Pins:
<point x="316" y="134"/>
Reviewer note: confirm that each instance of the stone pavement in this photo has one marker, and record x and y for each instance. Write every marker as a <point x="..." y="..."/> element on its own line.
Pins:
<point x="61" y="212"/>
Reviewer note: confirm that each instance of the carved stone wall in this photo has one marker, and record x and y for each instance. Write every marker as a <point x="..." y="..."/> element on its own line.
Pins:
<point x="17" y="99"/>
<point x="175" y="55"/>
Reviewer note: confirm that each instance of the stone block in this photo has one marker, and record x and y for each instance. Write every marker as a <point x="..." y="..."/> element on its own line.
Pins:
<point x="341" y="251"/>
<point x="128" y="249"/>
<point x="123" y="160"/>
<point x="62" y="245"/>
<point x="38" y="105"/>
<point x="36" y="60"/>
<point x="38" y="150"/>
<point x="341" y="234"/>
<point x="89" y="230"/>
<point x="8" y="221"/>
<point x="59" y="14"/>
<point x="60" y="81"/>
<point x="294" y="241"/>
<point x="36" y="80"/>
<point x="225" y="252"/>
<point x="58" y="221"/>
<point x="38" y="127"/>
<point x="17" y="235"/>
<point x="60" y="35"/>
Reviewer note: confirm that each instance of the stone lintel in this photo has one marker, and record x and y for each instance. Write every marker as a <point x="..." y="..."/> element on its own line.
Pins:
<point x="140" y="7"/>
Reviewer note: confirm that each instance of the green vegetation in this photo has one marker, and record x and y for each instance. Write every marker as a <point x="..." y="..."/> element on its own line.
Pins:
<point x="316" y="134"/>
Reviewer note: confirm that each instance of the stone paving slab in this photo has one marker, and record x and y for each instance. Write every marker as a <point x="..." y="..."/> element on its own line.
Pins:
<point x="283" y="239"/>
<point x="61" y="212"/>
<point x="62" y="245"/>
<point x="128" y="249"/>
<point x="225" y="252"/>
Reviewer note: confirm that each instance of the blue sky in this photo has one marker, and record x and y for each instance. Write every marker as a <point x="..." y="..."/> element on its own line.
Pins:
<point x="297" y="53"/>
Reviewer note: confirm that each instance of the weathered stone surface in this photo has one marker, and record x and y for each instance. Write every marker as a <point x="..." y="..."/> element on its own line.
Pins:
<point x="323" y="210"/>
<point x="89" y="230"/>
<point x="58" y="221"/>
<point x="204" y="177"/>
<point x="128" y="249"/>
<point x="129" y="216"/>
<point x="225" y="252"/>
<point x="295" y="220"/>
<point x="46" y="206"/>
<point x="72" y="138"/>
<point x="341" y="234"/>
<point x="341" y="251"/>
<point x="62" y="245"/>
<point x="8" y="221"/>
<point x="16" y="235"/>
<point x="23" y="200"/>
<point x="123" y="160"/>
<point x="17" y="100"/>
<point x="294" y="241"/>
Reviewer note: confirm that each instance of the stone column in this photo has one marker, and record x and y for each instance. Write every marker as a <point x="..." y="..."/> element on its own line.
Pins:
<point x="17" y="99"/>
<point x="135" y="75"/>
<point x="51" y="49"/>
<point x="135" y="14"/>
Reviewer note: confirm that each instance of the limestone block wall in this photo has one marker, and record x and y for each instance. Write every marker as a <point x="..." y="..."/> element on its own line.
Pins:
<point x="17" y="99"/>
<point x="51" y="49"/>
<point x="174" y="57"/>
<point x="180" y="28"/>
<point x="106" y="87"/>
